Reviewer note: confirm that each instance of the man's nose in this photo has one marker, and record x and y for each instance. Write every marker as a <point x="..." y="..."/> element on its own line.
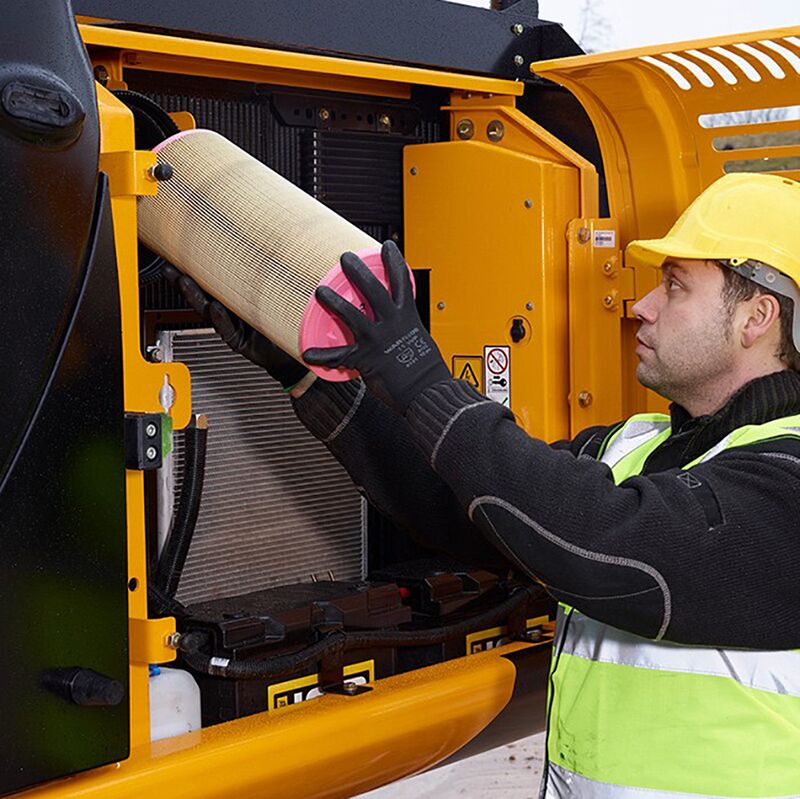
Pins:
<point x="647" y="308"/>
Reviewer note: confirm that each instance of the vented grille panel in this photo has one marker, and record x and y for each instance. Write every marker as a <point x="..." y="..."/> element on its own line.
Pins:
<point x="276" y="506"/>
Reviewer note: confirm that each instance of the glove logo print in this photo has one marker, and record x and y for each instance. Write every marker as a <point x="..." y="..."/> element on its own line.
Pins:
<point x="412" y="347"/>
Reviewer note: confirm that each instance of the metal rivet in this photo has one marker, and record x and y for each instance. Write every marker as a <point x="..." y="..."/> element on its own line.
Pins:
<point x="465" y="129"/>
<point x="584" y="234"/>
<point x="151" y="453"/>
<point x="529" y="203"/>
<point x="585" y="399"/>
<point x="440" y="305"/>
<point x="150" y="430"/>
<point x="324" y="114"/>
<point x="495" y="130"/>
<point x="385" y="120"/>
<point x="528" y="306"/>
<point x="413" y="170"/>
<point x="517" y="28"/>
<point x="519" y="60"/>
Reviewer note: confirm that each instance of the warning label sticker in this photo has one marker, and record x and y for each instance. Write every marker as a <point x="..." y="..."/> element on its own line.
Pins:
<point x="469" y="368"/>
<point x="292" y="692"/>
<point x="498" y="373"/>
<point x="498" y="636"/>
<point x="605" y="238"/>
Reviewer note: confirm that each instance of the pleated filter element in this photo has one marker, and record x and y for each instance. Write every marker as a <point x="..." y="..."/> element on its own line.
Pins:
<point x="254" y="240"/>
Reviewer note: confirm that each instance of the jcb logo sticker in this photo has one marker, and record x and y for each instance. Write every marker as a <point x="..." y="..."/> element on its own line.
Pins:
<point x="485" y="640"/>
<point x="292" y="692"/>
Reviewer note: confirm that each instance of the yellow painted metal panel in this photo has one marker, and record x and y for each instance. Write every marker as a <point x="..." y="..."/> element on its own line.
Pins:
<point x="490" y="223"/>
<point x="239" y="62"/>
<point x="333" y="746"/>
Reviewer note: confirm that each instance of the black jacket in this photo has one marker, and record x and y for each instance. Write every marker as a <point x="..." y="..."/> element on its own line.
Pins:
<point x="713" y="560"/>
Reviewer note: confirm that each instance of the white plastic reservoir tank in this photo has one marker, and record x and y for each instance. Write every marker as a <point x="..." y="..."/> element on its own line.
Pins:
<point x="174" y="703"/>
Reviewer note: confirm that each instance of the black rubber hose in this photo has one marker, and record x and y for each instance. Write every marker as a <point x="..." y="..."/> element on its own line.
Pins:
<point x="279" y="666"/>
<point x="173" y="556"/>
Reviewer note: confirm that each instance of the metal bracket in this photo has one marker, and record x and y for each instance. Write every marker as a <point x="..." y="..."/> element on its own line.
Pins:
<point x="143" y="441"/>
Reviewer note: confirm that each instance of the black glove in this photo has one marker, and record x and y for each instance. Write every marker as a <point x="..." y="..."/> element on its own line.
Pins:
<point x="238" y="335"/>
<point x="395" y="355"/>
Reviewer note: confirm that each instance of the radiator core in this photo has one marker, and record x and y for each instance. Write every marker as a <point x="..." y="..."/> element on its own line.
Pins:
<point x="277" y="508"/>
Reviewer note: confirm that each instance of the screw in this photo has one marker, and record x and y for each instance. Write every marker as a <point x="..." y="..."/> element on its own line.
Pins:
<point x="151" y="453"/>
<point x="385" y="120"/>
<point x="150" y="430"/>
<point x="172" y="641"/>
<point x="465" y="129"/>
<point x="517" y="28"/>
<point x="101" y="74"/>
<point x="350" y="688"/>
<point x="583" y="235"/>
<point x="585" y="399"/>
<point x="413" y="170"/>
<point x="495" y="130"/>
<point x="324" y="114"/>
<point x="609" y="300"/>
<point x="154" y="354"/>
<point x="529" y="203"/>
<point x="528" y="306"/>
<point x="608" y="267"/>
<point x="440" y="305"/>
<point x="160" y="172"/>
<point x="519" y="60"/>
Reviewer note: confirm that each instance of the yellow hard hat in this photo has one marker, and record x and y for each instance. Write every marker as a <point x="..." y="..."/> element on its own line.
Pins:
<point x="739" y="217"/>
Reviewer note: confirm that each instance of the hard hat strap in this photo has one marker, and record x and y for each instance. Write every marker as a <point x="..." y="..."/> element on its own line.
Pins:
<point x="772" y="280"/>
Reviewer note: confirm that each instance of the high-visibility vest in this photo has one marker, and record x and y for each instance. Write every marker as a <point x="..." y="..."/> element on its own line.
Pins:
<point x="633" y="718"/>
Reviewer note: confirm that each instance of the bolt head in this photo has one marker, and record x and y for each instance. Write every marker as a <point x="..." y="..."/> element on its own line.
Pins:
<point x="528" y="306"/>
<point x="585" y="399"/>
<point x="584" y="234"/>
<point x="101" y="74"/>
<point x="517" y="28"/>
<point x="519" y="60"/>
<point x="150" y="430"/>
<point x="385" y="120"/>
<point x="324" y="114"/>
<point x="528" y="203"/>
<point x="495" y="130"/>
<point x="350" y="688"/>
<point x="172" y="640"/>
<point x="440" y="305"/>
<point x="413" y="170"/>
<point x="151" y="453"/>
<point x="465" y="129"/>
<point x="608" y="267"/>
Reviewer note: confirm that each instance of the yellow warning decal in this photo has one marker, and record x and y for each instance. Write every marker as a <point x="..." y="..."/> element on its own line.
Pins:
<point x="498" y="636"/>
<point x="469" y="368"/>
<point x="291" y="692"/>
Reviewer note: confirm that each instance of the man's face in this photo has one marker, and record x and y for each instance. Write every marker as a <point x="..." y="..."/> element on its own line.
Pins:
<point x="684" y="341"/>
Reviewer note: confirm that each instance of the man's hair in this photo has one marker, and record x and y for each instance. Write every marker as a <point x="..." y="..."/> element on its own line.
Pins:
<point x="737" y="289"/>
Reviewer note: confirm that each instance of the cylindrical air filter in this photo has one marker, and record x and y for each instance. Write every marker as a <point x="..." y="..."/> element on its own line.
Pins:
<point x="255" y="241"/>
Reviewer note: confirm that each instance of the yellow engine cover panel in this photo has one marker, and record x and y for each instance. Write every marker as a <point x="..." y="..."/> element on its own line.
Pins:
<point x="490" y="224"/>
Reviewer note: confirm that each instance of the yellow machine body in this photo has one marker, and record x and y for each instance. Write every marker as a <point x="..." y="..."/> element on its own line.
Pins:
<point x="506" y="219"/>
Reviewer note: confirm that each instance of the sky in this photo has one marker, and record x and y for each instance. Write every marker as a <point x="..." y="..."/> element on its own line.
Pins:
<point x="631" y="23"/>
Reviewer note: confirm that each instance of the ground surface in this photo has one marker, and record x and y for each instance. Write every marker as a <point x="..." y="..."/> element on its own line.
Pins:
<point x="510" y="771"/>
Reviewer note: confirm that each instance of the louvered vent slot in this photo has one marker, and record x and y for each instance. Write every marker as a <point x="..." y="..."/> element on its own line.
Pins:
<point x="277" y="508"/>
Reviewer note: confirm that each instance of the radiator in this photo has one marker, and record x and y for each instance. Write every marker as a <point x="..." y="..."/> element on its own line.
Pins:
<point x="276" y="508"/>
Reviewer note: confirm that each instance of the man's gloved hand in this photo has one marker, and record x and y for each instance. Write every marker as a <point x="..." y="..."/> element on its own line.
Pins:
<point x="395" y="355"/>
<point x="237" y="334"/>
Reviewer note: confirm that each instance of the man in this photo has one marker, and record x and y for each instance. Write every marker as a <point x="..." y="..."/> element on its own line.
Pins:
<point x="662" y="537"/>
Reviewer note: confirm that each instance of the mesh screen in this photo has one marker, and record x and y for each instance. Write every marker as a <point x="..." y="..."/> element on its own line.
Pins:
<point x="276" y="506"/>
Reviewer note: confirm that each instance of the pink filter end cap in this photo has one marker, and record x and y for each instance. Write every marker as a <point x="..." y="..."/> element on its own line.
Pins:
<point x="320" y="328"/>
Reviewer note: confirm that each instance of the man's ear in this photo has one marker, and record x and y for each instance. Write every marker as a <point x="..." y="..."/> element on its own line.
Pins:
<point x="762" y="314"/>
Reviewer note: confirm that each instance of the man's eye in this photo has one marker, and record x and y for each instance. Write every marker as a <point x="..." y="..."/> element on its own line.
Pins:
<point x="672" y="283"/>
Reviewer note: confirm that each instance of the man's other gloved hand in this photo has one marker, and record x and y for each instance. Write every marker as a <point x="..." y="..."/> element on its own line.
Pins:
<point x="395" y="355"/>
<point x="237" y="334"/>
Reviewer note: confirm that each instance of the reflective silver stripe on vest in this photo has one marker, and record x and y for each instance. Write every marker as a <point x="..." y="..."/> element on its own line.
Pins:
<point x="775" y="671"/>
<point x="722" y="445"/>
<point x="632" y="436"/>
<point x="565" y="784"/>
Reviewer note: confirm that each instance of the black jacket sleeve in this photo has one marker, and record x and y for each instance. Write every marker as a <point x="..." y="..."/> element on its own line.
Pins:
<point x="377" y="450"/>
<point x="711" y="560"/>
